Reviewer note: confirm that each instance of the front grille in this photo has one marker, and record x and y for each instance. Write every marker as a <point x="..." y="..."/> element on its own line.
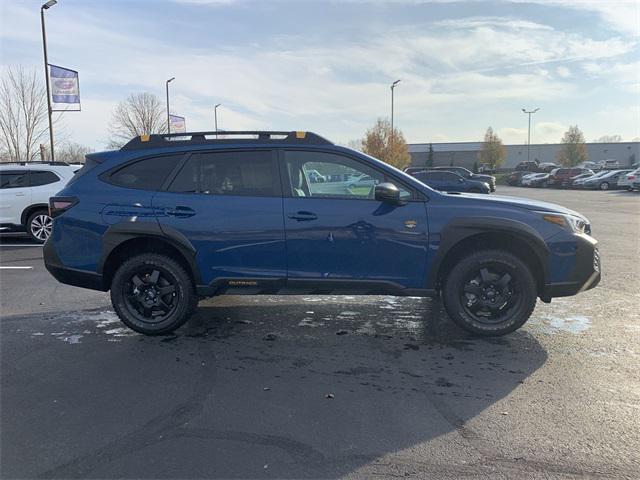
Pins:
<point x="596" y="260"/>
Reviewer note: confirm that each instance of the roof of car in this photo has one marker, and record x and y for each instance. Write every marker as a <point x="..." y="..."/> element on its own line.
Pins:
<point x="53" y="166"/>
<point x="223" y="138"/>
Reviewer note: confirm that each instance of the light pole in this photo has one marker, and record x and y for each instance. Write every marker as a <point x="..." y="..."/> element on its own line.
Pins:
<point x="393" y="86"/>
<point x="529" y="134"/>
<point x="44" y="7"/>
<point x="215" y="115"/>
<point x="168" y="117"/>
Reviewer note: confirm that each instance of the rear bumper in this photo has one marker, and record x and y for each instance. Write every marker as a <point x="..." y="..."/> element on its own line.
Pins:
<point x="70" y="276"/>
<point x="585" y="275"/>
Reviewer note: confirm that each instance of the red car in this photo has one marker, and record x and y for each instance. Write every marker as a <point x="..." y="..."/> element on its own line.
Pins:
<point x="562" y="177"/>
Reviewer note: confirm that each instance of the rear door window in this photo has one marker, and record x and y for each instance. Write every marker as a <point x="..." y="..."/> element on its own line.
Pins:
<point x="147" y="174"/>
<point x="242" y="173"/>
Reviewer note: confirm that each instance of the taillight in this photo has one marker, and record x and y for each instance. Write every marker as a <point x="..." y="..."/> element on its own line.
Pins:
<point x="631" y="177"/>
<point x="59" y="205"/>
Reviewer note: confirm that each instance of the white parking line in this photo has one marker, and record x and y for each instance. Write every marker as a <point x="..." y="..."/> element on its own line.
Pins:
<point x="15" y="268"/>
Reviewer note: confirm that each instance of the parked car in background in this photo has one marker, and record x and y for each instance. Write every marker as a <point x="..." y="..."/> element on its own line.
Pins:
<point x="468" y="175"/>
<point x="535" y="180"/>
<point x="573" y="180"/>
<point x="515" y="178"/>
<point x="626" y="181"/>
<point x="412" y="170"/>
<point x="25" y="189"/>
<point x="546" y="167"/>
<point x="451" y="182"/>
<point x="591" y="165"/>
<point x="561" y="177"/>
<point x="605" y="182"/>
<point x="580" y="182"/>
<point x="608" y="164"/>
<point x="528" y="167"/>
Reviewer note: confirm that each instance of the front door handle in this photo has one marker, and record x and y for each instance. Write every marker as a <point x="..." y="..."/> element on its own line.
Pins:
<point x="303" y="216"/>
<point x="180" y="212"/>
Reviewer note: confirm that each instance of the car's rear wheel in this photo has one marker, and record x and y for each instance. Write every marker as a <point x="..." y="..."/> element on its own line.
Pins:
<point x="153" y="294"/>
<point x="490" y="292"/>
<point x="604" y="186"/>
<point x="474" y="190"/>
<point x="39" y="226"/>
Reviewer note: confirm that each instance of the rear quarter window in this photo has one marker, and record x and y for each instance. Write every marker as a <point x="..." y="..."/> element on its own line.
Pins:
<point x="38" y="178"/>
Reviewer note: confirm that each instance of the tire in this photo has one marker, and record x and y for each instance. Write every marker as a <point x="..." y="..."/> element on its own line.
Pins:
<point x="474" y="190"/>
<point x="137" y="299"/>
<point x="604" y="186"/>
<point x="39" y="226"/>
<point x="476" y="279"/>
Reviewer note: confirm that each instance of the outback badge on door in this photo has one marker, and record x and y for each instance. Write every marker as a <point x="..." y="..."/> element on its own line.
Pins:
<point x="410" y="224"/>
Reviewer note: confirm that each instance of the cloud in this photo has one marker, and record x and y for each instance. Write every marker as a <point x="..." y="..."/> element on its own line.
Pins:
<point x="467" y="67"/>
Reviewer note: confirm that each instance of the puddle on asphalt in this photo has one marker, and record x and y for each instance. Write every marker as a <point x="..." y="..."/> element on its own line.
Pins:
<point x="559" y="317"/>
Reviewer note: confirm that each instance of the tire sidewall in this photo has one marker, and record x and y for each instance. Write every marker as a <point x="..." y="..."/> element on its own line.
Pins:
<point x="459" y="274"/>
<point x="185" y="295"/>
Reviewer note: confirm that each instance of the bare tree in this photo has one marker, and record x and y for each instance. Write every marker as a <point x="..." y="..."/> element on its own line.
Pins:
<point x="23" y="115"/>
<point x="72" y="152"/>
<point x="140" y="114"/>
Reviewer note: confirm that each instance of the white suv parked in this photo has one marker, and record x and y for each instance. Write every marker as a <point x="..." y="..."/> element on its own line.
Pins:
<point x="25" y="189"/>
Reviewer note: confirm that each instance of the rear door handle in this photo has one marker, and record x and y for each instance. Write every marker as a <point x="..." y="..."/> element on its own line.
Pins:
<point x="303" y="216"/>
<point x="180" y="212"/>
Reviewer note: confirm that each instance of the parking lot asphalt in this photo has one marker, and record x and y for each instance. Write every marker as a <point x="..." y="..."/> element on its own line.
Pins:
<point x="325" y="387"/>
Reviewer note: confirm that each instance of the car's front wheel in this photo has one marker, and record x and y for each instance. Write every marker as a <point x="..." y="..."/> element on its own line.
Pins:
<point x="39" y="226"/>
<point x="604" y="186"/>
<point x="490" y="292"/>
<point x="153" y="294"/>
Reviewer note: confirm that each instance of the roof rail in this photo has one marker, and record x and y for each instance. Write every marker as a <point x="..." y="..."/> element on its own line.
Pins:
<point x="34" y="163"/>
<point x="221" y="137"/>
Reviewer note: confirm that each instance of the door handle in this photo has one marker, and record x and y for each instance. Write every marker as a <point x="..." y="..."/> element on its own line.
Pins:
<point x="180" y="212"/>
<point x="303" y="216"/>
<point x="20" y="194"/>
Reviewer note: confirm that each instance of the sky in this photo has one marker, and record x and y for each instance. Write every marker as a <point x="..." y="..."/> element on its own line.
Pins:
<point x="327" y="66"/>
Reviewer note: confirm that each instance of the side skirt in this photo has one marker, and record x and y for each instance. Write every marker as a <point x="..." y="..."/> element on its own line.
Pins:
<point x="280" y="286"/>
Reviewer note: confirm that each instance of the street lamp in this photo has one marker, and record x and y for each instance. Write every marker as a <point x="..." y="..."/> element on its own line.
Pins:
<point x="530" y="112"/>
<point x="393" y="86"/>
<point x="168" y="117"/>
<point x="44" y="7"/>
<point x="215" y="115"/>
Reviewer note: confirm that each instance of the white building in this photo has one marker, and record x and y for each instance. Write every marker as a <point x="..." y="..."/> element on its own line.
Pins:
<point x="465" y="154"/>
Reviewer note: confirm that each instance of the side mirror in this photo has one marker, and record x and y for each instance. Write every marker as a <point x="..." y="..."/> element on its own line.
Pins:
<point x="388" y="192"/>
<point x="461" y="180"/>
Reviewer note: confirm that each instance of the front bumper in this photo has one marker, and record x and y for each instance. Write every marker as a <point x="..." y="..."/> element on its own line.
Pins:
<point x="585" y="274"/>
<point x="67" y="275"/>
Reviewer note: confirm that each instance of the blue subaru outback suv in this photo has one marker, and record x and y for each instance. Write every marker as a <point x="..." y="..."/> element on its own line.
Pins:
<point x="169" y="219"/>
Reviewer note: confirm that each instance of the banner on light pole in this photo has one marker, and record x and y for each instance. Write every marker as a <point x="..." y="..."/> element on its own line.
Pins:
<point x="65" y="89"/>
<point x="178" y="124"/>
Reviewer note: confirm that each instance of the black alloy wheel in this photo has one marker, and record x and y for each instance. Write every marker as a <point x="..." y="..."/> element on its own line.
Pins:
<point x="153" y="294"/>
<point x="490" y="292"/>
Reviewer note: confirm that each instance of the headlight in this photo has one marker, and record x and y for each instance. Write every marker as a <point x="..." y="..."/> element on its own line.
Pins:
<point x="568" y="222"/>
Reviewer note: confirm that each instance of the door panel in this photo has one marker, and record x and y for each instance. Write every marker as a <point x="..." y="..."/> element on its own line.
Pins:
<point x="229" y="206"/>
<point x="336" y="230"/>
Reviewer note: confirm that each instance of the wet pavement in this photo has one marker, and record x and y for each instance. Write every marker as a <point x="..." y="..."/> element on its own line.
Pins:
<point x="327" y="386"/>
